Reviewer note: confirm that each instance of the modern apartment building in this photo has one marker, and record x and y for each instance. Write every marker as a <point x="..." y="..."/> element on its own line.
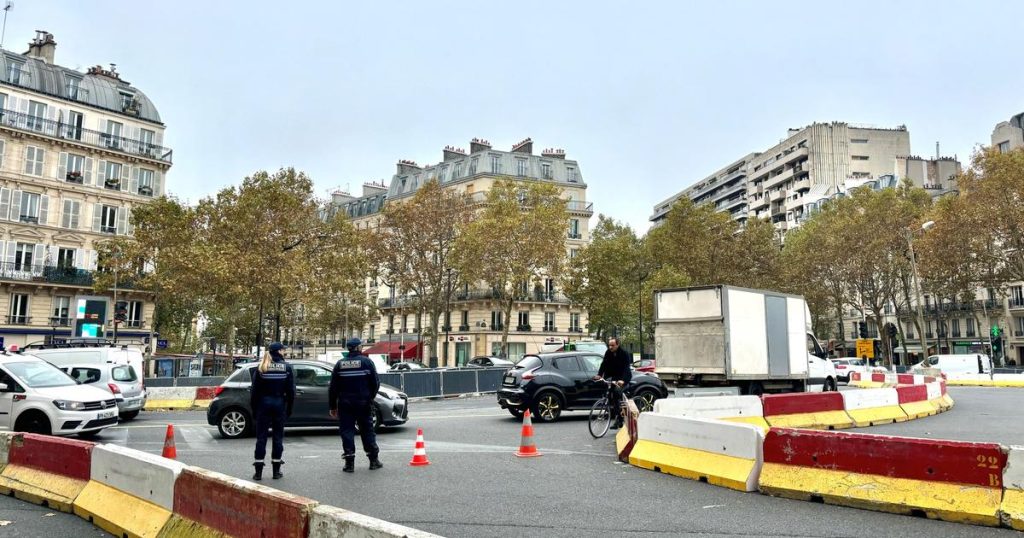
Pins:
<point x="1009" y="135"/>
<point x="475" y="322"/>
<point x="726" y="189"/>
<point x="810" y="163"/>
<point x="77" y="152"/>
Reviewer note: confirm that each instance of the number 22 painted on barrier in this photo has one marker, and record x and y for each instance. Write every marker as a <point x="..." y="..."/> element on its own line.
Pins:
<point x="990" y="462"/>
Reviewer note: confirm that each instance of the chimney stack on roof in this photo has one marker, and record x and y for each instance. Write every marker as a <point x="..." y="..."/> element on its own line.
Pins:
<point x="111" y="73"/>
<point x="407" y="167"/>
<point x="371" y="188"/>
<point x="42" y="47"/>
<point x="478" y="144"/>
<point x="451" y="153"/>
<point x="553" y="153"/>
<point x="526" y="146"/>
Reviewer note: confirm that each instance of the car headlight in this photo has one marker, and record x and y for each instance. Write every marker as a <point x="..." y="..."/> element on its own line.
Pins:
<point x="67" y="405"/>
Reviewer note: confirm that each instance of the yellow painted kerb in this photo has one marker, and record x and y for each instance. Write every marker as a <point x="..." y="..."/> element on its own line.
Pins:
<point x="726" y="471"/>
<point x="919" y="409"/>
<point x="938" y="500"/>
<point x="874" y="416"/>
<point x="821" y="420"/>
<point x="37" y="486"/>
<point x="119" y="513"/>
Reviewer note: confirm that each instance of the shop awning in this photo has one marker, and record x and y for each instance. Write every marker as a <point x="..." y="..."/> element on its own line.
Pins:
<point x="391" y="349"/>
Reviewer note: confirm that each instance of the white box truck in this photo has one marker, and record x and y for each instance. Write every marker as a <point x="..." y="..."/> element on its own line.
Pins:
<point x="720" y="336"/>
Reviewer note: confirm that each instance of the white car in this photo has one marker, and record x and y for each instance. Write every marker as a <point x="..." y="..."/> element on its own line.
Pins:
<point x="118" y="379"/>
<point x="37" y="397"/>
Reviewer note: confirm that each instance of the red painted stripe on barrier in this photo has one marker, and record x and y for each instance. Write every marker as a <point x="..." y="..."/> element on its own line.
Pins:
<point x="789" y="404"/>
<point x="217" y="502"/>
<point x="929" y="379"/>
<point x="878" y="378"/>
<point x="854" y="376"/>
<point x="912" y="393"/>
<point x="942" y="385"/>
<point x="979" y="464"/>
<point x="205" y="393"/>
<point x="66" y="457"/>
<point x="905" y="379"/>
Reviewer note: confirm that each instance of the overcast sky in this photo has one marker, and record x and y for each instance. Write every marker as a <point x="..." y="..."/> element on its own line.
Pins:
<point x="648" y="99"/>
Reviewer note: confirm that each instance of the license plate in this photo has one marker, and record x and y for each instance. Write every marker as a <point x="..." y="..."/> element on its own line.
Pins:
<point x="106" y="414"/>
<point x="509" y="380"/>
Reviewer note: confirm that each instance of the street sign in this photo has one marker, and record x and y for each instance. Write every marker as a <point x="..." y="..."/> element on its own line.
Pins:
<point x="161" y="344"/>
<point x="865" y="348"/>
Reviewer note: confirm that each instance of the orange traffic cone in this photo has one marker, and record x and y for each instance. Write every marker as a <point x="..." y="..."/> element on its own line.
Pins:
<point x="419" y="455"/>
<point x="169" y="450"/>
<point x="526" y="447"/>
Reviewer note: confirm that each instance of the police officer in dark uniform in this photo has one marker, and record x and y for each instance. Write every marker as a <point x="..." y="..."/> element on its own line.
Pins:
<point x="271" y="400"/>
<point x="354" y="384"/>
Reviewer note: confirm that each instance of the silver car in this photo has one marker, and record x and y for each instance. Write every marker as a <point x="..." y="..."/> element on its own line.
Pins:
<point x="117" y="379"/>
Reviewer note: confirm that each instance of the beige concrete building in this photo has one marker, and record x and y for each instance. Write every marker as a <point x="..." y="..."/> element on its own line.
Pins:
<point x="1009" y="135"/>
<point x="77" y="152"/>
<point x="473" y="325"/>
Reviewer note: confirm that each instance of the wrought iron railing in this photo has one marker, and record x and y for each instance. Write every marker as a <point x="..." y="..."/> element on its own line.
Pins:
<point x="37" y="272"/>
<point x="88" y="137"/>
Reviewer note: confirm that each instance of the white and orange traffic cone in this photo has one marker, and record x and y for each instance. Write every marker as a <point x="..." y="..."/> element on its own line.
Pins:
<point x="526" y="447"/>
<point x="419" y="455"/>
<point x="169" y="449"/>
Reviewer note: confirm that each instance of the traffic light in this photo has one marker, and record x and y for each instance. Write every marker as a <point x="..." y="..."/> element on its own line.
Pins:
<point x="862" y="329"/>
<point x="997" y="347"/>
<point x="995" y="331"/>
<point x="121" y="311"/>
<point x="891" y="330"/>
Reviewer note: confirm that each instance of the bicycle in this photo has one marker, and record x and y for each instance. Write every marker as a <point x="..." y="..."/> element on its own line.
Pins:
<point x="601" y="413"/>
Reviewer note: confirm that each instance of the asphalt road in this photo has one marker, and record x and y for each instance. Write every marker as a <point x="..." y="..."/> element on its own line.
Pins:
<point x="19" y="519"/>
<point x="475" y="486"/>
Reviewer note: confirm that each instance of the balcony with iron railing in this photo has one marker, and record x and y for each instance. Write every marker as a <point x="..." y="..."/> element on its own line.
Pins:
<point x="537" y="296"/>
<point x="71" y="276"/>
<point x="1016" y="302"/>
<point x="86" y="137"/>
<point x="18" y="320"/>
<point x="60" y="321"/>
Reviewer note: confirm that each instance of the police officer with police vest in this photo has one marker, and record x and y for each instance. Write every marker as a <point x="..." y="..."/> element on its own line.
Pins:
<point x="354" y="385"/>
<point x="271" y="399"/>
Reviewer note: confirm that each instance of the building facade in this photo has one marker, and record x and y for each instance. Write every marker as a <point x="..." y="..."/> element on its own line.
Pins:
<point x="77" y="152"/>
<point x="726" y="189"/>
<point x="474" y="323"/>
<point x="1009" y="135"/>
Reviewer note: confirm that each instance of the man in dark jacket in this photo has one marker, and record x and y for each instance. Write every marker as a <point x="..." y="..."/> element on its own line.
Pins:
<point x="354" y="385"/>
<point x="616" y="367"/>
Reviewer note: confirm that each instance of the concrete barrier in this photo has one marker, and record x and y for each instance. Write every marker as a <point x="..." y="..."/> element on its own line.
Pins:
<point x="208" y="502"/>
<point x="946" y="403"/>
<point x="873" y="407"/>
<point x="625" y="438"/>
<point x="745" y="409"/>
<point x="5" y="446"/>
<point x="331" y="522"/>
<point x="910" y="379"/>
<point x="914" y="401"/>
<point x="46" y="470"/>
<point x="714" y="451"/>
<point x="1011" y="510"/>
<point x="170" y="397"/>
<point x="821" y="410"/>
<point x="130" y="492"/>
<point x="949" y="480"/>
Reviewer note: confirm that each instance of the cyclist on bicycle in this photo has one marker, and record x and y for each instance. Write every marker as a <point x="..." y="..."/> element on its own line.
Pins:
<point x="615" y="367"/>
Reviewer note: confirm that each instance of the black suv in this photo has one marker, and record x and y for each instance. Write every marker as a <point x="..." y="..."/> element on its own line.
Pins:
<point x="550" y="383"/>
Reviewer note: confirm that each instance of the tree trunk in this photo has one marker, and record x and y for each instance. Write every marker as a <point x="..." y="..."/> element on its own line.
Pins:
<point x="507" y="322"/>
<point x="842" y="327"/>
<point x="435" y="356"/>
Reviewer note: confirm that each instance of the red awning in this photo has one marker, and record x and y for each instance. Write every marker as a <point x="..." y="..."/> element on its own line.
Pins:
<point x="392" y="351"/>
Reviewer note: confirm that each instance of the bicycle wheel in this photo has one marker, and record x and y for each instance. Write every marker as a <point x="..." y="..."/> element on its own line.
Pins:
<point x="600" y="418"/>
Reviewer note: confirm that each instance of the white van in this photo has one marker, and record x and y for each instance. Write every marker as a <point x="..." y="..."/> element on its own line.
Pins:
<point x="68" y="356"/>
<point x="953" y="365"/>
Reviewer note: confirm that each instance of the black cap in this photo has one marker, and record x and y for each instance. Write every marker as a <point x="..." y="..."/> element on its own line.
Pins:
<point x="276" y="347"/>
<point x="353" y="343"/>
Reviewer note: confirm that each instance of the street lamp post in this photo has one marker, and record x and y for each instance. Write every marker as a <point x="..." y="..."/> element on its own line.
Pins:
<point x="917" y="287"/>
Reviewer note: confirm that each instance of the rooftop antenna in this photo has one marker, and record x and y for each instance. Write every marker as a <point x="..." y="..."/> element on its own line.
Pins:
<point x="8" y="5"/>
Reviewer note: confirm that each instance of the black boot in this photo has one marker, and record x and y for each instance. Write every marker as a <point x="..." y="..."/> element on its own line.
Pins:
<point x="277" y="469"/>
<point x="375" y="463"/>
<point x="350" y="464"/>
<point x="258" y="475"/>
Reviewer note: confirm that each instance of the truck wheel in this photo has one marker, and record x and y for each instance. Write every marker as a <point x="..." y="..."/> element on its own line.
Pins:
<point x="755" y="388"/>
<point x="830" y="385"/>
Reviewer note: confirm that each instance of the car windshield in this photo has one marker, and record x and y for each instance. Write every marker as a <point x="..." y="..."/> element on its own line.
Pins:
<point x="529" y="361"/>
<point x="124" y="374"/>
<point x="84" y="375"/>
<point x="39" y="375"/>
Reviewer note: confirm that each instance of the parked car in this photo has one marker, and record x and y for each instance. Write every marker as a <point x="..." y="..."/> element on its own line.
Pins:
<point x="845" y="366"/>
<point x="645" y="365"/>
<point x="550" y="383"/>
<point x="954" y="365"/>
<point x="407" y="365"/>
<point x="490" y="362"/>
<point x="37" y="397"/>
<point x="230" y="410"/>
<point x="118" y="379"/>
<point x="64" y="356"/>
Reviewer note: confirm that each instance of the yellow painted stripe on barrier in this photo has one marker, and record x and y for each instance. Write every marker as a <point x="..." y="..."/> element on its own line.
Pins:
<point x="938" y="500"/>
<point x="725" y="471"/>
<point x="946" y="402"/>
<point x="874" y="416"/>
<point x="866" y="384"/>
<point x="169" y="404"/>
<point x="919" y="409"/>
<point x="179" y="527"/>
<point x="204" y="404"/>
<point x="621" y="440"/>
<point x="119" y="513"/>
<point x="821" y="420"/>
<point x="1013" y="508"/>
<point x="40" y="487"/>
<point x="756" y="421"/>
